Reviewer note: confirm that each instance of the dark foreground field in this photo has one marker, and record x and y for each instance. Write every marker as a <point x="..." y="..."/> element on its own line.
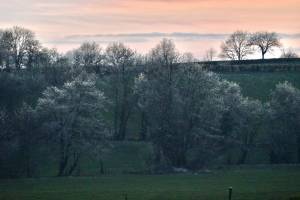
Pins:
<point x="254" y="184"/>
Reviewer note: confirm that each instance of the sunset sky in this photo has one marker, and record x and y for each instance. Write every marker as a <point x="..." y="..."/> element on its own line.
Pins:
<point x="195" y="25"/>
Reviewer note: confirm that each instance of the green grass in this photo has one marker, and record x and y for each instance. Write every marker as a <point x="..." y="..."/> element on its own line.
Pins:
<point x="258" y="85"/>
<point x="264" y="184"/>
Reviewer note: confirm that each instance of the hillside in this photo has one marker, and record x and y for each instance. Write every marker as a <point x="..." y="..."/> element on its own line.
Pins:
<point x="257" y="65"/>
<point x="258" y="85"/>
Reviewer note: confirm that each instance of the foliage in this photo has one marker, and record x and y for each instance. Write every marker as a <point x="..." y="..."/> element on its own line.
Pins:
<point x="72" y="116"/>
<point x="284" y="109"/>
<point x="120" y="59"/>
<point x="64" y="109"/>
<point x="196" y="112"/>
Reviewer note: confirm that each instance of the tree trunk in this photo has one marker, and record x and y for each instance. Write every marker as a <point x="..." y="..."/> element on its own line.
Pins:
<point x="243" y="157"/>
<point x="29" y="170"/>
<point x="116" y="114"/>
<point x="29" y="63"/>
<point x="181" y="159"/>
<point x="298" y="148"/>
<point x="7" y="66"/>
<point x="123" y="117"/>
<point x="122" y="127"/>
<point x="101" y="166"/>
<point x="18" y="63"/>
<point x="157" y="155"/>
<point x="143" y="130"/>
<point x="74" y="165"/>
<point x="229" y="159"/>
<point x="64" y="157"/>
<point x="124" y="107"/>
<point x="273" y="157"/>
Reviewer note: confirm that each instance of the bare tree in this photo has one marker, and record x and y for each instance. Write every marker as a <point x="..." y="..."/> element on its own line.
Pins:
<point x="33" y="49"/>
<point x="290" y="53"/>
<point x="210" y="54"/>
<point x="187" y="57"/>
<point x="6" y="48"/>
<point x="89" y="55"/>
<point x="1" y="49"/>
<point x="236" y="47"/>
<point x="164" y="54"/>
<point x="120" y="58"/>
<point x="21" y="39"/>
<point x="265" y="41"/>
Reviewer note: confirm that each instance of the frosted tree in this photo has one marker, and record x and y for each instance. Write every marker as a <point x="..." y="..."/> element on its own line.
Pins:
<point x="284" y="126"/>
<point x="73" y="116"/>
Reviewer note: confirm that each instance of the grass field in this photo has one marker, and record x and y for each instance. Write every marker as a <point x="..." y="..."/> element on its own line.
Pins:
<point x="258" y="85"/>
<point x="258" y="184"/>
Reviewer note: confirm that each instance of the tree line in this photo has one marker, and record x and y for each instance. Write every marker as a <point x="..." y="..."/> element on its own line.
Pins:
<point x="67" y="105"/>
<point x="241" y="44"/>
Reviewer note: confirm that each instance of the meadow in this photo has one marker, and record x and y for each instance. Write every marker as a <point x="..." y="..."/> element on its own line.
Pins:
<point x="258" y="85"/>
<point x="263" y="183"/>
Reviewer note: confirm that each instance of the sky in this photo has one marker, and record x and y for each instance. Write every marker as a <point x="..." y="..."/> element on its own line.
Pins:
<point x="194" y="25"/>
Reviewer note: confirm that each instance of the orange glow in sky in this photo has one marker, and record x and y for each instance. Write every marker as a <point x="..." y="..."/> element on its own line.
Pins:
<point x="55" y="20"/>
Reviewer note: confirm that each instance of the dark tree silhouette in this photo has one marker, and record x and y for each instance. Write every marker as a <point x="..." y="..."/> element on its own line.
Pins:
<point x="265" y="41"/>
<point x="236" y="47"/>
